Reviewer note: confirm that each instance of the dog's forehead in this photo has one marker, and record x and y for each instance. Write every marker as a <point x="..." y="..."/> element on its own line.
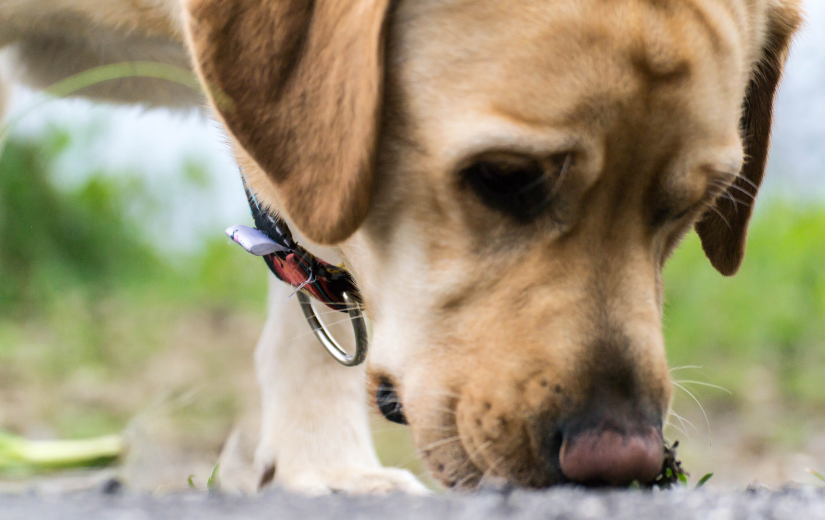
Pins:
<point x="534" y="75"/>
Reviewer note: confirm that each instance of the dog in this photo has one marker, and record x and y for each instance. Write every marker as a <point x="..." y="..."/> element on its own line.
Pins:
<point x="504" y="180"/>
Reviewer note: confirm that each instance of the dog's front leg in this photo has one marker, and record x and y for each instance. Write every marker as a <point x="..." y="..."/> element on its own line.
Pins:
<point x="314" y="432"/>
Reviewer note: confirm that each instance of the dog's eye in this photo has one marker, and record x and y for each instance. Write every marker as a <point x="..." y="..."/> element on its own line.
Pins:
<point x="680" y="215"/>
<point x="666" y="215"/>
<point x="388" y="403"/>
<point x="521" y="188"/>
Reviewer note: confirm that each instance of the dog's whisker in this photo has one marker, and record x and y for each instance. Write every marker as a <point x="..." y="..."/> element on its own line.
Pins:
<point x="702" y="408"/>
<point x="436" y="391"/>
<point x="443" y="410"/>
<point x="430" y="408"/>
<point x="396" y="400"/>
<point x="489" y="471"/>
<point x="439" y="429"/>
<point x="669" y="424"/>
<point x="339" y="321"/>
<point x="742" y="177"/>
<point x="416" y="453"/>
<point x="736" y="201"/>
<point x="684" y="367"/>
<point x="467" y="478"/>
<point x="325" y="314"/>
<point x="470" y="456"/>
<point x="328" y="311"/>
<point x="702" y="383"/>
<point x="301" y="336"/>
<point x="410" y="457"/>
<point x="715" y="210"/>
<point x="440" y="442"/>
<point x="735" y="204"/>
<point x="684" y="421"/>
<point x="735" y="187"/>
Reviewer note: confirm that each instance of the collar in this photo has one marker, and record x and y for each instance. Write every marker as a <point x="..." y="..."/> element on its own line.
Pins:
<point x="290" y="262"/>
<point x="311" y="276"/>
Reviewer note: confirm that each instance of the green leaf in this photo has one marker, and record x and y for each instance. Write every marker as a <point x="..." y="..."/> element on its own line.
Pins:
<point x="683" y="478"/>
<point x="19" y="455"/>
<point x="191" y="482"/>
<point x="703" y="480"/>
<point x="214" y="480"/>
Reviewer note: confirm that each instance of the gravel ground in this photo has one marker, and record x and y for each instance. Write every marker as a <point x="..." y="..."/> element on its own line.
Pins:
<point x="567" y="504"/>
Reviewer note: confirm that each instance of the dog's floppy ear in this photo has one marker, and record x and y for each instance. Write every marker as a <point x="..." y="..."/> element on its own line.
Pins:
<point x="298" y="84"/>
<point x="723" y="232"/>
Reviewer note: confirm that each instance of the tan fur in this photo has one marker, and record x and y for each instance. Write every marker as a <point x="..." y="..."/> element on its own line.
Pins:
<point x="307" y="111"/>
<point x="357" y="120"/>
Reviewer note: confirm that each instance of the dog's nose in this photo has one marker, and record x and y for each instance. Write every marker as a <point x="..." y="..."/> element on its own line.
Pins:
<point x="607" y="456"/>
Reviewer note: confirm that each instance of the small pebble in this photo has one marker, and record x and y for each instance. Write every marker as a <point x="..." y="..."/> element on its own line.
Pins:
<point x="112" y="486"/>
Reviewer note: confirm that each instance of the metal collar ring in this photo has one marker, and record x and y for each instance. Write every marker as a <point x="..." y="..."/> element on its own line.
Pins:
<point x="359" y="327"/>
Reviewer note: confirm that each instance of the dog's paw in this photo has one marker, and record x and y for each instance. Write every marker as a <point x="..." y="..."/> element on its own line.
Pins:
<point x="354" y="481"/>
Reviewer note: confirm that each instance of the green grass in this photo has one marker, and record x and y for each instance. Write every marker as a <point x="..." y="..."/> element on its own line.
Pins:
<point x="87" y="301"/>
<point x="766" y="319"/>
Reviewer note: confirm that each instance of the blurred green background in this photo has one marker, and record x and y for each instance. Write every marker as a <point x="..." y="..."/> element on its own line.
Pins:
<point x="99" y="324"/>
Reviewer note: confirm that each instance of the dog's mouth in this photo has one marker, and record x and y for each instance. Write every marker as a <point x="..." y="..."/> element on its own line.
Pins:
<point x="445" y="451"/>
<point x="461" y="457"/>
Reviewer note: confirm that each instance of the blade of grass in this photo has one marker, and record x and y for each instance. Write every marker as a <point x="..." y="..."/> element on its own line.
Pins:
<point x="703" y="480"/>
<point x="817" y="474"/>
<point x="126" y="69"/>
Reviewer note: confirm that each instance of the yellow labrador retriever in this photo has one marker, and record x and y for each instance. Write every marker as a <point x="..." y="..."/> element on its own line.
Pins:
<point x="505" y="180"/>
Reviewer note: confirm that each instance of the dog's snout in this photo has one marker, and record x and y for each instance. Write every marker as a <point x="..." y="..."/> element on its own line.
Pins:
<point x="614" y="436"/>
<point x="386" y="398"/>
<point x="611" y="457"/>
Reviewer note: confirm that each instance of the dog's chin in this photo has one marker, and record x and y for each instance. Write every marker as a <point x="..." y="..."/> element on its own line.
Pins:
<point x="470" y="474"/>
<point x="453" y="467"/>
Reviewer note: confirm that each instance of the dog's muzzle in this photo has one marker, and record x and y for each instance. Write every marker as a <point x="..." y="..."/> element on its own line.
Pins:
<point x="289" y="262"/>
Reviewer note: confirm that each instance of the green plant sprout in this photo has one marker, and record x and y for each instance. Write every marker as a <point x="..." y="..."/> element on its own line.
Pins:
<point x="214" y="483"/>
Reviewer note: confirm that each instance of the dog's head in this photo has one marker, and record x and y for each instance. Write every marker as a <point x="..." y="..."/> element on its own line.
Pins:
<point x="506" y="181"/>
